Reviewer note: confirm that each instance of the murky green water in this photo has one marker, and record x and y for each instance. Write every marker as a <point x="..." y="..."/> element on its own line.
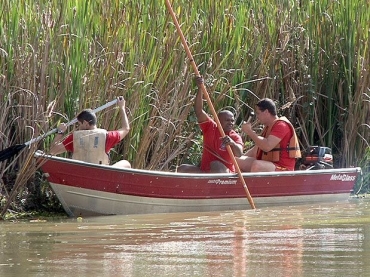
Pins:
<point x="320" y="240"/>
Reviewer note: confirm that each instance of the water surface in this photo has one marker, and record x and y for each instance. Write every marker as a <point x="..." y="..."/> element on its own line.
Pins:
<point x="313" y="240"/>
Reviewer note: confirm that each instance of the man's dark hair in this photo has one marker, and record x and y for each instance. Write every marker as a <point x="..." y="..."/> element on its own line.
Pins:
<point x="87" y="115"/>
<point x="267" y="104"/>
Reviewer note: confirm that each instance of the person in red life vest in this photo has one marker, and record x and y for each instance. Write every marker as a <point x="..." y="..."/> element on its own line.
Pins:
<point x="215" y="157"/>
<point x="277" y="148"/>
<point x="89" y="143"/>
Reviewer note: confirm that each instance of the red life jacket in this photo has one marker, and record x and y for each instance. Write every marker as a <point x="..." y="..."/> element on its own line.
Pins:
<point x="274" y="154"/>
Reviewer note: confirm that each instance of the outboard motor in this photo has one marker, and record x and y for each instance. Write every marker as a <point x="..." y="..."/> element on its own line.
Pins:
<point x="316" y="157"/>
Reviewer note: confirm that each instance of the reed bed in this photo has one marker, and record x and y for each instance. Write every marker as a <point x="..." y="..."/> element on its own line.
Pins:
<point x="58" y="57"/>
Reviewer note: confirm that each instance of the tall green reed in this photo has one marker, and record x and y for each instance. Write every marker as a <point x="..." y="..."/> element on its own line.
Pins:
<point x="308" y="56"/>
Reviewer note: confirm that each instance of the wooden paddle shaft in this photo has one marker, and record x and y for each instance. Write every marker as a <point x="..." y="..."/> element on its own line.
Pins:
<point x="206" y="95"/>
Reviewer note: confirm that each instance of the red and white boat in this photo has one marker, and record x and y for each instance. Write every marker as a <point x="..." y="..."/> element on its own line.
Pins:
<point x="86" y="189"/>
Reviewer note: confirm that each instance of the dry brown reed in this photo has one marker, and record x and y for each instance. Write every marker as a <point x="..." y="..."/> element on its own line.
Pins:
<point x="71" y="55"/>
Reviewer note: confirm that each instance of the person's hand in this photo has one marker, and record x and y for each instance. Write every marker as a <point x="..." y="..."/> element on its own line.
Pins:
<point x="199" y="80"/>
<point x="62" y="128"/>
<point x="247" y="127"/>
<point x="121" y="102"/>
<point x="226" y="140"/>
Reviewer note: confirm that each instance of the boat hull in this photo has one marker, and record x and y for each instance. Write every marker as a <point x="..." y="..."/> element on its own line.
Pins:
<point x="86" y="189"/>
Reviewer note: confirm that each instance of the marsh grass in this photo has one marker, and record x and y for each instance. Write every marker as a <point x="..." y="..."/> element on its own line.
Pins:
<point x="58" y="57"/>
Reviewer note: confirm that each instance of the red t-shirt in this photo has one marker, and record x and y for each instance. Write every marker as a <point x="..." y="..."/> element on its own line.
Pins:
<point x="112" y="139"/>
<point x="212" y="141"/>
<point x="283" y="131"/>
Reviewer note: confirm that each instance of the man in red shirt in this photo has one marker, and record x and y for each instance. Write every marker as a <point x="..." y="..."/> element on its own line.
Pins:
<point x="89" y="143"/>
<point x="215" y="157"/>
<point x="277" y="148"/>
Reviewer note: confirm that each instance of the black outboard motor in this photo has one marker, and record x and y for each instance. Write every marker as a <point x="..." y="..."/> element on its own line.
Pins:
<point x="316" y="157"/>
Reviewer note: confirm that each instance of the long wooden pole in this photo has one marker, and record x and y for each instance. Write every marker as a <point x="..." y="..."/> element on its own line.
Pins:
<point x="206" y="95"/>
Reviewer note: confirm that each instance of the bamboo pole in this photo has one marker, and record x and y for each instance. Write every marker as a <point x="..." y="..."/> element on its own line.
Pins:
<point x="206" y="95"/>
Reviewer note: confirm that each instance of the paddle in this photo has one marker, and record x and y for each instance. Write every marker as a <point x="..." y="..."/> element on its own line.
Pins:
<point x="15" y="149"/>
<point x="205" y="93"/>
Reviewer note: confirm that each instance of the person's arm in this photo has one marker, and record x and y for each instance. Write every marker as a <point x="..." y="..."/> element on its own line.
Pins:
<point x="252" y="152"/>
<point x="266" y="144"/>
<point x="198" y="102"/>
<point x="57" y="146"/>
<point x="123" y="131"/>
<point x="237" y="148"/>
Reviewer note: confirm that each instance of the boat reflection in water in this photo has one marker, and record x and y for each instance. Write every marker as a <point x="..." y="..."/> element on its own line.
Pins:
<point x="330" y="240"/>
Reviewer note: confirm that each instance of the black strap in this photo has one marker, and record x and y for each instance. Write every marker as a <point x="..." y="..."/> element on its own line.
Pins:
<point x="282" y="149"/>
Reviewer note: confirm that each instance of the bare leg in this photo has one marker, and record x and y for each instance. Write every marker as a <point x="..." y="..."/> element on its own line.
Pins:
<point x="262" y="166"/>
<point x="189" y="168"/>
<point x="122" y="164"/>
<point x="218" y="167"/>
<point x="245" y="163"/>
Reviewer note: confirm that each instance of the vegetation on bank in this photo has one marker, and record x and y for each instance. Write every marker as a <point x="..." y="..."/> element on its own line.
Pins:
<point x="58" y="57"/>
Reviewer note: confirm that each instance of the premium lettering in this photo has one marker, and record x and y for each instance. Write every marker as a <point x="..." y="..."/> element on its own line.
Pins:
<point x="222" y="182"/>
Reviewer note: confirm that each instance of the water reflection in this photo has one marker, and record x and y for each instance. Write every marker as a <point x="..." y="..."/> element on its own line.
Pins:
<point x="326" y="240"/>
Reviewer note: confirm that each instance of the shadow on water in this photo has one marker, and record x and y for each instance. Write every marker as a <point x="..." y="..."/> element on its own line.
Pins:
<point x="320" y="240"/>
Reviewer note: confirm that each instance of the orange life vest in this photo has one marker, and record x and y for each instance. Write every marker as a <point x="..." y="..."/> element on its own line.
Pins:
<point x="274" y="154"/>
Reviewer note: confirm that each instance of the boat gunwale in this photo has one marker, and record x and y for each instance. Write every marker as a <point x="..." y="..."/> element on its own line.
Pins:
<point x="46" y="157"/>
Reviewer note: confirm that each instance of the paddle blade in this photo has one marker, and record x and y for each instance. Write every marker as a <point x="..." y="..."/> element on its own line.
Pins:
<point x="11" y="151"/>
